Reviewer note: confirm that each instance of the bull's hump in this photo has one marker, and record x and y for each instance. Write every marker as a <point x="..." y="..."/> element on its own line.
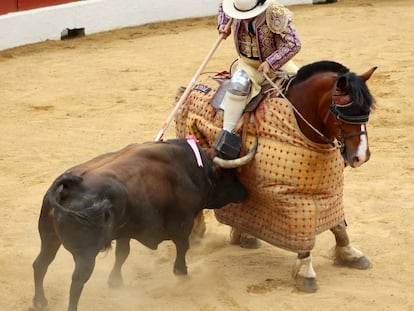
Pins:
<point x="136" y="153"/>
<point x="105" y="160"/>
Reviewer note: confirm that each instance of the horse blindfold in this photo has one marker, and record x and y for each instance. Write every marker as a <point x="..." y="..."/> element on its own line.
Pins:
<point x="346" y="113"/>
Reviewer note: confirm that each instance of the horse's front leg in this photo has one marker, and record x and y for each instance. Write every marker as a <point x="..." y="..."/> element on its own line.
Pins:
<point x="199" y="228"/>
<point x="304" y="274"/>
<point x="345" y="254"/>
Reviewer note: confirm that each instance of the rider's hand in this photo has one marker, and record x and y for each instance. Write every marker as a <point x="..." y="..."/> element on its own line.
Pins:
<point x="224" y="31"/>
<point x="264" y="68"/>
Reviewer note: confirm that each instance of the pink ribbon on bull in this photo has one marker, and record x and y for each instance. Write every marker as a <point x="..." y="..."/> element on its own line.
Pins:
<point x="192" y="141"/>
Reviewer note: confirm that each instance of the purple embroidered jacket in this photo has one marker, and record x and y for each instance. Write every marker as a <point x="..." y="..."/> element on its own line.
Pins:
<point x="277" y="40"/>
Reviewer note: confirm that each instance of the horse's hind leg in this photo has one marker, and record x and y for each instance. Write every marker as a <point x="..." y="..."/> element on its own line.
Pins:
<point x="121" y="254"/>
<point x="345" y="253"/>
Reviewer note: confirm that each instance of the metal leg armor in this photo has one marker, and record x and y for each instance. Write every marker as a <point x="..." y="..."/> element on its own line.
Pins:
<point x="228" y="144"/>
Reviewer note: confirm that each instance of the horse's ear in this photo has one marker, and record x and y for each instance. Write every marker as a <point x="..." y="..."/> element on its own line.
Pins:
<point x="342" y="83"/>
<point x="365" y="76"/>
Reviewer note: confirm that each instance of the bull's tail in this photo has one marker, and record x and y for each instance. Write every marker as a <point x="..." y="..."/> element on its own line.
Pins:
<point x="96" y="215"/>
<point x="66" y="180"/>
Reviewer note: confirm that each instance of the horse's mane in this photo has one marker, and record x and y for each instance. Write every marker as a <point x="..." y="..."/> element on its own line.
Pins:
<point x="360" y="93"/>
<point x="307" y="71"/>
<point x="358" y="89"/>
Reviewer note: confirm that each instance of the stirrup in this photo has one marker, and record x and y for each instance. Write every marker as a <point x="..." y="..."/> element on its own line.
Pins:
<point x="228" y="145"/>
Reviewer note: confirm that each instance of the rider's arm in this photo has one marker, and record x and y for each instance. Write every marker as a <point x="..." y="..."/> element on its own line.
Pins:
<point x="279" y="21"/>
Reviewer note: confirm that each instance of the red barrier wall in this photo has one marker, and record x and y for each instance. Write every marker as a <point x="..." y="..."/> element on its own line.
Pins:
<point x="7" y="6"/>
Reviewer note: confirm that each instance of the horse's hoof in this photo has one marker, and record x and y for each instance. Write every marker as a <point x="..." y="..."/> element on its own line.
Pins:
<point x="307" y="285"/>
<point x="361" y="263"/>
<point x="235" y="237"/>
<point x="250" y="243"/>
<point x="244" y="240"/>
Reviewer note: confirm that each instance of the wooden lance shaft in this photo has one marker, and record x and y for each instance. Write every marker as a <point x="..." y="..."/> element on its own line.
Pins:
<point x="191" y="84"/>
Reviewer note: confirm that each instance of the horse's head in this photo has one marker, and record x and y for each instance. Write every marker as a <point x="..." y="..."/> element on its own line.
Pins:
<point x="333" y="106"/>
<point x="349" y="112"/>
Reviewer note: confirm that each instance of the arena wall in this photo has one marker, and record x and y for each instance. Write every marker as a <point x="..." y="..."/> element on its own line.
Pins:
<point x="91" y="16"/>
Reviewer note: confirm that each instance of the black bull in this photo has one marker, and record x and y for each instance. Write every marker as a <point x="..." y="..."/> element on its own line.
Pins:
<point x="150" y="192"/>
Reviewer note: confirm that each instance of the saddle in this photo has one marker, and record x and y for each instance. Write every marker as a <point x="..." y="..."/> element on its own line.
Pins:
<point x="277" y="88"/>
<point x="281" y="80"/>
<point x="230" y="144"/>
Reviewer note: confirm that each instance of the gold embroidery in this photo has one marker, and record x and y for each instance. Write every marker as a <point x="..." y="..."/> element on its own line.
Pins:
<point x="247" y="43"/>
<point x="277" y="17"/>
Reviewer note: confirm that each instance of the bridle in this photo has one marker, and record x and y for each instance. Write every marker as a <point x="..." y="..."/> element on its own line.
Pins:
<point x="340" y="112"/>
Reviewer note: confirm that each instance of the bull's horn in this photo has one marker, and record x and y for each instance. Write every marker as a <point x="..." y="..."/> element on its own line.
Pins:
<point x="239" y="161"/>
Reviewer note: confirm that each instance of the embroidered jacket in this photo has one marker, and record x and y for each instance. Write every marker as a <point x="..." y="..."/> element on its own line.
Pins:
<point x="276" y="37"/>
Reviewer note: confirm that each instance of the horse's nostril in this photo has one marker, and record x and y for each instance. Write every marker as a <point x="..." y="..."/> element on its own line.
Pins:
<point x="357" y="162"/>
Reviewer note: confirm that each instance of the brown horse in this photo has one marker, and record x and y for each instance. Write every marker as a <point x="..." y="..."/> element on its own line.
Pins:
<point x="308" y="133"/>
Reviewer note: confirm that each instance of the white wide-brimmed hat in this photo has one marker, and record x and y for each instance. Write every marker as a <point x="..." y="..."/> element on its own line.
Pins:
<point x="244" y="9"/>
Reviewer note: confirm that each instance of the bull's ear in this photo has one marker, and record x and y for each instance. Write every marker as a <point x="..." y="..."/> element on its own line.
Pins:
<point x="366" y="75"/>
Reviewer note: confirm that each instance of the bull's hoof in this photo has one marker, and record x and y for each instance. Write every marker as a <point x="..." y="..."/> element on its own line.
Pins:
<point x="180" y="271"/>
<point x="306" y="285"/>
<point x="115" y="281"/>
<point x="361" y="263"/>
<point x="39" y="303"/>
